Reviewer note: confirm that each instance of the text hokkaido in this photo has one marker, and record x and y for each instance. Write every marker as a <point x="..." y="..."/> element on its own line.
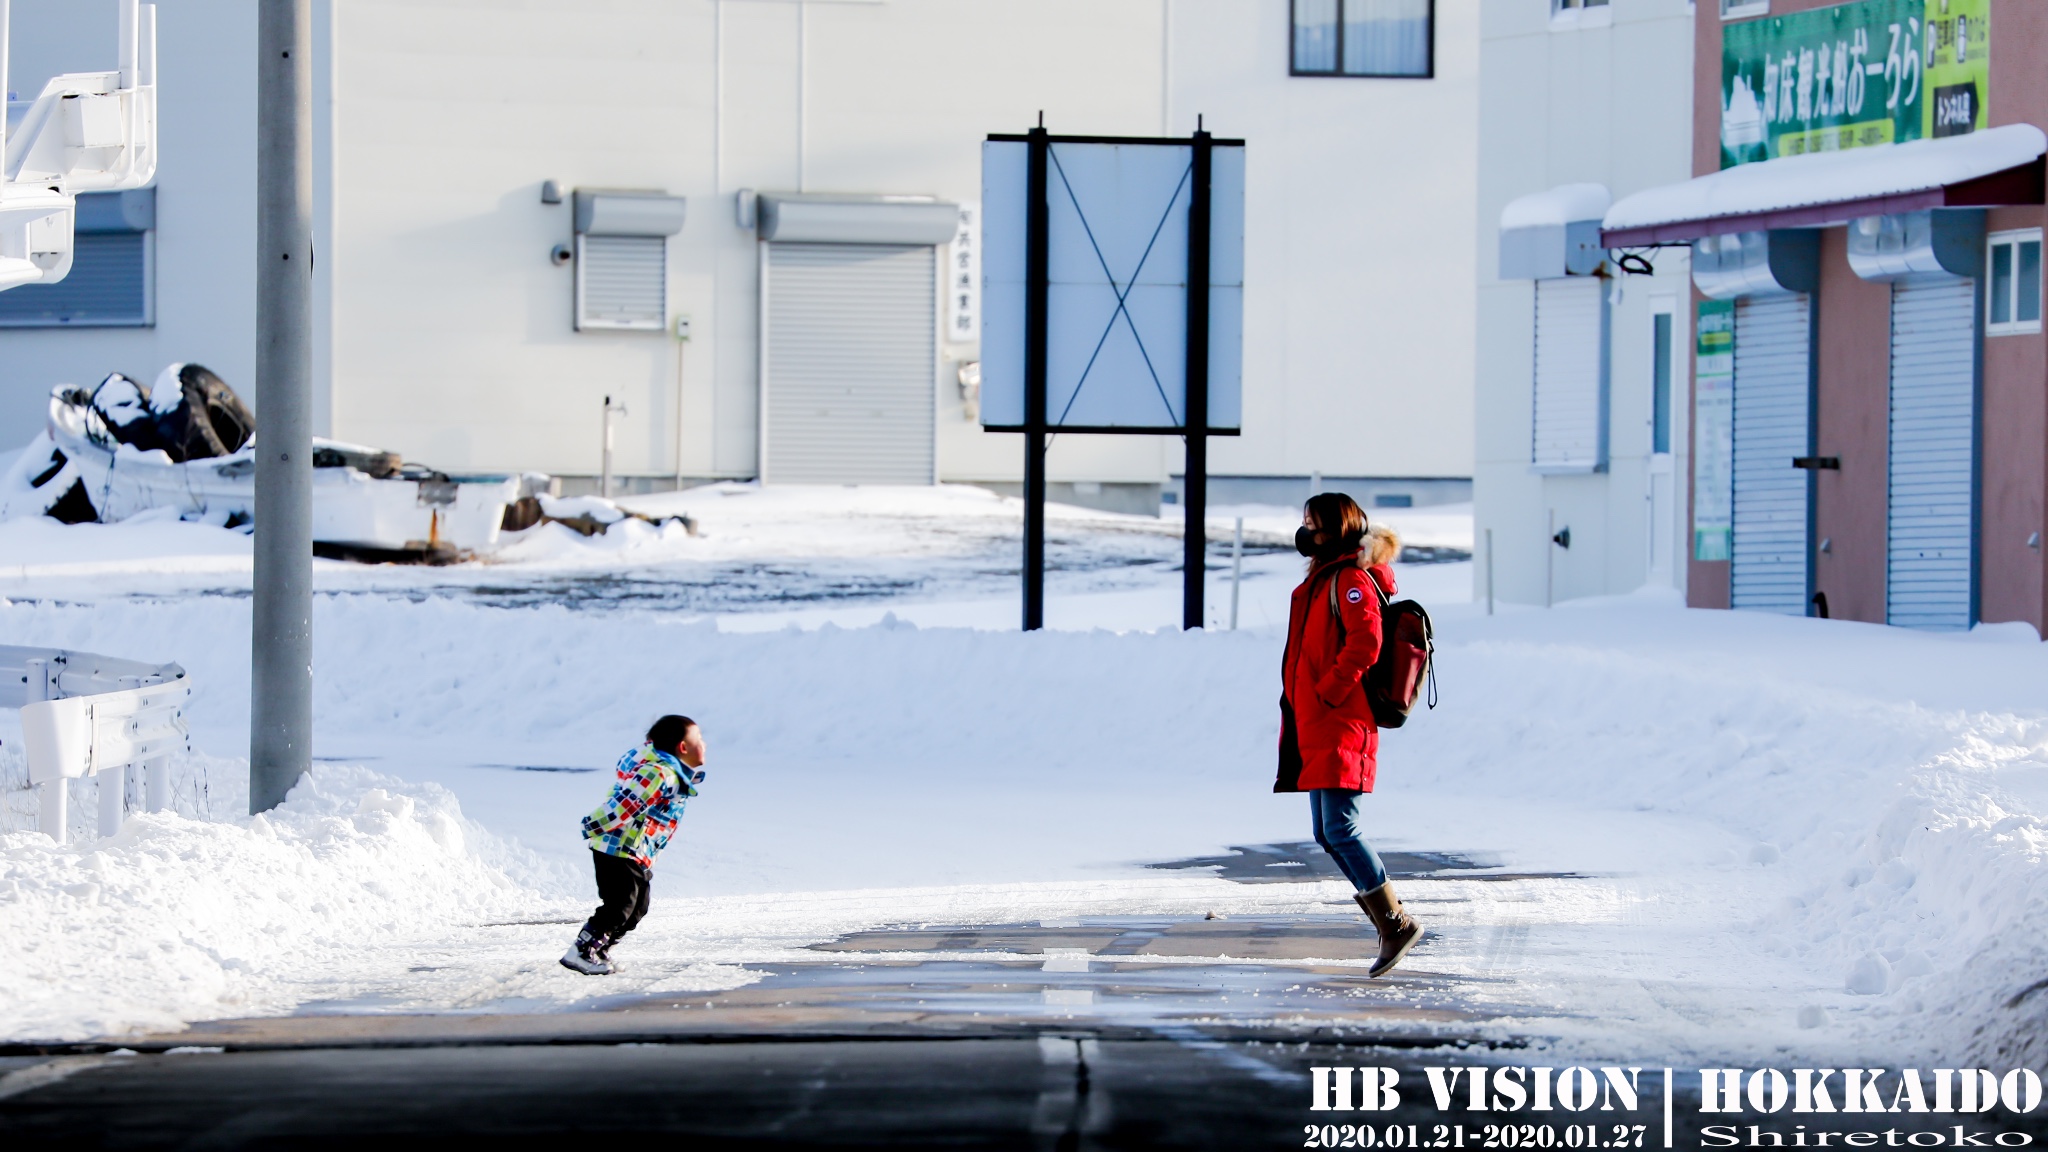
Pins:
<point x="1722" y="1090"/>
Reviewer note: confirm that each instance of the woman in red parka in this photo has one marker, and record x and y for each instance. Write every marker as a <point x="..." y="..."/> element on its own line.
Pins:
<point x="1329" y="744"/>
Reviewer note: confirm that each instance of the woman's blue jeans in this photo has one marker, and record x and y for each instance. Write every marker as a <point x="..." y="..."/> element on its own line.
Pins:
<point x="1338" y="825"/>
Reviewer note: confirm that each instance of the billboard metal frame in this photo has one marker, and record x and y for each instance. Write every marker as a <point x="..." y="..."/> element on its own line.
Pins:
<point x="1036" y="427"/>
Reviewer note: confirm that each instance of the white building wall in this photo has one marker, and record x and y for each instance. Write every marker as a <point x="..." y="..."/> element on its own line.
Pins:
<point x="205" y="201"/>
<point x="1608" y="102"/>
<point x="1357" y="252"/>
<point x="451" y="332"/>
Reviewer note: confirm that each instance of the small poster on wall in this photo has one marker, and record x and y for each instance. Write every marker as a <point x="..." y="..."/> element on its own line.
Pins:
<point x="1713" y="422"/>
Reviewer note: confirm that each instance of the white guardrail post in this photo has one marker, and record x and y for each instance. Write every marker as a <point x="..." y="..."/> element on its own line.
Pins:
<point x="86" y="715"/>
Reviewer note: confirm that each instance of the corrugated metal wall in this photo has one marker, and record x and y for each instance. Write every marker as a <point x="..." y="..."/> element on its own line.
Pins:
<point x="1773" y="421"/>
<point x="849" y="355"/>
<point x="1931" y="492"/>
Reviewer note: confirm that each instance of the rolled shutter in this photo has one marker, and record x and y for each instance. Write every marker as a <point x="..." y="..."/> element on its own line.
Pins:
<point x="1931" y="493"/>
<point x="1569" y="422"/>
<point x="1773" y="425"/>
<point x="111" y="282"/>
<point x="849" y="368"/>
<point x="621" y="282"/>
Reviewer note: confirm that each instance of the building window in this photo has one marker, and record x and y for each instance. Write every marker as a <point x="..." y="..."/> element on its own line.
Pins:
<point x="2013" y="287"/>
<point x="621" y="282"/>
<point x="112" y="282"/>
<point x="1569" y="421"/>
<point x="1738" y="9"/>
<point x="1580" y="13"/>
<point x="1364" y="38"/>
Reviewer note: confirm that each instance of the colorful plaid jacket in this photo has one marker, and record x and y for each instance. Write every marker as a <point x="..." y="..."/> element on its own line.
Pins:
<point x="637" y="819"/>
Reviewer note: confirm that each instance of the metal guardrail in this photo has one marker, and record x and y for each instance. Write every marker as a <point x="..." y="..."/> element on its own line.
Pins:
<point x="83" y="715"/>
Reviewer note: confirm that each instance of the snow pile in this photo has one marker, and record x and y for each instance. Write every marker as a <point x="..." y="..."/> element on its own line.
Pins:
<point x="177" y="918"/>
<point x="1889" y="853"/>
<point x="1788" y="835"/>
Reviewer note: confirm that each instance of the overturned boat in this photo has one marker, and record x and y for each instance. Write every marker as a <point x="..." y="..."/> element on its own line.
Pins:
<point x="186" y="443"/>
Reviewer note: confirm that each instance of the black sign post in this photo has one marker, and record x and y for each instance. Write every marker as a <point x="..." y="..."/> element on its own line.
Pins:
<point x="1194" y="496"/>
<point x="1037" y="290"/>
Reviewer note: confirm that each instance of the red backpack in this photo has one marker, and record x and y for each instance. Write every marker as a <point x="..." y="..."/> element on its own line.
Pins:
<point x="1407" y="659"/>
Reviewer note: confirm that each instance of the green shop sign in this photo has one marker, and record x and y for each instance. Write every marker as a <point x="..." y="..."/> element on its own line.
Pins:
<point x="1713" y="431"/>
<point x="1854" y="75"/>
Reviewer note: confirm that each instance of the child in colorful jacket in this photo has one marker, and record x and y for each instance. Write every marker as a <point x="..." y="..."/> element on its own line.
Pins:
<point x="629" y="828"/>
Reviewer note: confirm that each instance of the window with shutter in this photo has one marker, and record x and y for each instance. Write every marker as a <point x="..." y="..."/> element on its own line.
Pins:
<point x="112" y="279"/>
<point x="1569" y="421"/>
<point x="621" y="282"/>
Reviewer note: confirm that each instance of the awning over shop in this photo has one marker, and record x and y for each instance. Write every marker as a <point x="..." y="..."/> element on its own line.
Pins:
<point x="1983" y="169"/>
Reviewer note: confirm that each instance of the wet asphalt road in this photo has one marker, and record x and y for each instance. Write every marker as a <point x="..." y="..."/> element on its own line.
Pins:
<point x="1100" y="1032"/>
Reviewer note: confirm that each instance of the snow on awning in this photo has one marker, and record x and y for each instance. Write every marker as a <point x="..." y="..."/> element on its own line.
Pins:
<point x="1564" y="204"/>
<point x="1993" y="167"/>
<point x="1552" y="233"/>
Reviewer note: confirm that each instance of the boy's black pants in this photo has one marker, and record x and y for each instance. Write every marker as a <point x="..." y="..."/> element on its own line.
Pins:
<point x="622" y="885"/>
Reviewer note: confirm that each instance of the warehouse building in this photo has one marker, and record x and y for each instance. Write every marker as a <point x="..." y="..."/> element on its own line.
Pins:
<point x="743" y="234"/>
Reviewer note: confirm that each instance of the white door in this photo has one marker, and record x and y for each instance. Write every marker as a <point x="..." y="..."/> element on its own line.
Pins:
<point x="848" y="363"/>
<point x="1773" y="420"/>
<point x="1662" y="499"/>
<point x="1931" y="493"/>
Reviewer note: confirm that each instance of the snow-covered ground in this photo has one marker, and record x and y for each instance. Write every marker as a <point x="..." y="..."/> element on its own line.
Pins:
<point x="1792" y="835"/>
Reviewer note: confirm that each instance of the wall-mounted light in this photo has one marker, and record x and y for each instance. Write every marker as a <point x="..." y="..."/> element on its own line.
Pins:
<point x="550" y="192"/>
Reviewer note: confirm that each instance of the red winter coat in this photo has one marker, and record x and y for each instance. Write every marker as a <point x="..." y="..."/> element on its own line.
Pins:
<point x="1326" y="712"/>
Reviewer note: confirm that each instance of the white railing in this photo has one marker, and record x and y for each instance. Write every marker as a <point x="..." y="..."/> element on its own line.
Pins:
<point x="88" y="715"/>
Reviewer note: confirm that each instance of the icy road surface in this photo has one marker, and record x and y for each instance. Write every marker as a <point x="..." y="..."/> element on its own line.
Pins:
<point x="1741" y="834"/>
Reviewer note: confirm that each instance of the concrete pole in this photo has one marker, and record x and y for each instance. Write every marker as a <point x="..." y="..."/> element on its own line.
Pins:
<point x="6" y="18"/>
<point x="281" y="683"/>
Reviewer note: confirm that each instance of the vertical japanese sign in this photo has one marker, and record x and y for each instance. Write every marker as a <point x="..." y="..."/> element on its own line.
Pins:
<point x="1958" y="39"/>
<point x="963" y="279"/>
<point x="1852" y="76"/>
<point x="1713" y="423"/>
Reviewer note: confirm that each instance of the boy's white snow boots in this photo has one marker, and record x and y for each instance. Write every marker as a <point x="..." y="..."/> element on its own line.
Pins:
<point x="1398" y="930"/>
<point x="587" y="955"/>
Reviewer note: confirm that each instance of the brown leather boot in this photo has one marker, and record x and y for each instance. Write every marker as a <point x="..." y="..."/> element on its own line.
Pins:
<point x="1398" y="930"/>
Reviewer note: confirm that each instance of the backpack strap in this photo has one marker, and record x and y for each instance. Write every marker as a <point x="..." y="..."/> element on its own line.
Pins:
<point x="1337" y="617"/>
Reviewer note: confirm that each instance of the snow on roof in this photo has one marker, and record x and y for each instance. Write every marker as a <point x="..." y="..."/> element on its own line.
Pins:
<point x="1564" y="204"/>
<point x="1822" y="178"/>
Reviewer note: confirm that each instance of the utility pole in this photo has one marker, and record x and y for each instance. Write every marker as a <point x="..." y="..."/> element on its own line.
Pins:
<point x="281" y="664"/>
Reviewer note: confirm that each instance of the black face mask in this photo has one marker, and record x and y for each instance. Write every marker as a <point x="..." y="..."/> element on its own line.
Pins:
<point x="1305" y="543"/>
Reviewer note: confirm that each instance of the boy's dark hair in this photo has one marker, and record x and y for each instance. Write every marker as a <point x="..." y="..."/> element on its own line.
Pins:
<point x="668" y="732"/>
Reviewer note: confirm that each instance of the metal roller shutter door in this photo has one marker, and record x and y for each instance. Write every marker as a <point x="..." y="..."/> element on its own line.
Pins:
<point x="1570" y="341"/>
<point x="849" y="363"/>
<point x="621" y="282"/>
<point x="1930" y="498"/>
<point x="1773" y="421"/>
